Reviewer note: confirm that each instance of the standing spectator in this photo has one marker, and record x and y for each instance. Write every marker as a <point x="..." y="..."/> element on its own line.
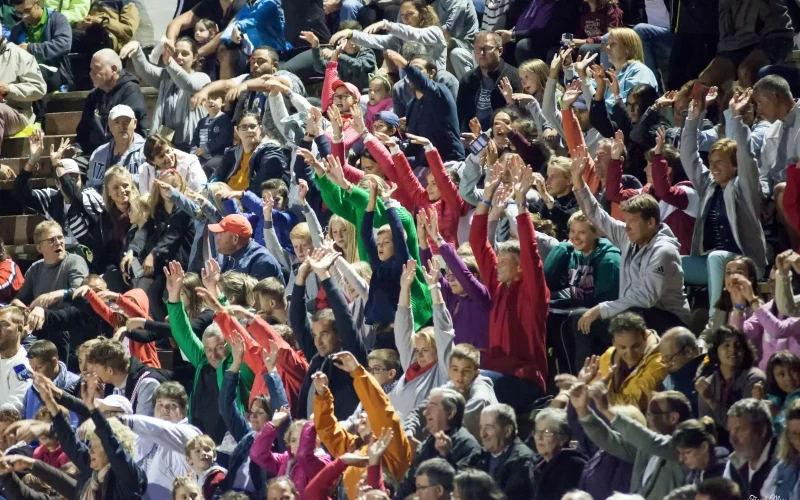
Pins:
<point x="755" y="447"/>
<point x="43" y="358"/>
<point x="113" y="86"/>
<point x="13" y="360"/>
<point x="504" y="456"/>
<point x="514" y="276"/>
<point x="240" y="252"/>
<point x="177" y="82"/>
<point x="651" y="277"/>
<point x="478" y="91"/>
<point x="124" y="149"/>
<point x="46" y="35"/>
<point x="21" y="83"/>
<point x="213" y="134"/>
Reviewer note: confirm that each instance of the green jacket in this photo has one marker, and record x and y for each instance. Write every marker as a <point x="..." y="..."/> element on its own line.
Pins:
<point x="192" y="347"/>
<point x="351" y="207"/>
<point x="586" y="280"/>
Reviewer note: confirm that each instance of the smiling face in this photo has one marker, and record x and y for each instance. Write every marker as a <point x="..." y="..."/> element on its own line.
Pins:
<point x="257" y="416"/>
<point x="216" y="350"/>
<point x="583" y="237"/>
<point x="377" y="91"/>
<point x="732" y="269"/>
<point x="630" y="347"/>
<point x="185" y="55"/>
<point x="433" y="189"/>
<point x="494" y="436"/>
<point x="787" y="378"/>
<point x="530" y="81"/>
<point x="119" y="190"/>
<point x="189" y="491"/>
<point x="202" y="457"/>
<point x="731" y="353"/>
<point x="722" y="168"/>
<point x="165" y="159"/>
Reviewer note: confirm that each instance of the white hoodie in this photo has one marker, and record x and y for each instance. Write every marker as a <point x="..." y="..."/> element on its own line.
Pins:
<point x="188" y="166"/>
<point x="12" y="389"/>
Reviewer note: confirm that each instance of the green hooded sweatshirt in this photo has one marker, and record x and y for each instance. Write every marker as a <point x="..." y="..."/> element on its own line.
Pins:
<point x="585" y="280"/>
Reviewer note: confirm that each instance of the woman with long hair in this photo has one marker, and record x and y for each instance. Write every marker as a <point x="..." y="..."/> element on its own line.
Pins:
<point x="783" y="481"/>
<point x="177" y="81"/>
<point x="118" y="190"/>
<point x="162" y="155"/>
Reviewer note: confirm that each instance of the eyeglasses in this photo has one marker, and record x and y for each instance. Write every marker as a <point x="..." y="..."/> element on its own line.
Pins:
<point x="377" y="369"/>
<point x="54" y="240"/>
<point x="248" y="126"/>
<point x="669" y="359"/>
<point x="484" y="50"/>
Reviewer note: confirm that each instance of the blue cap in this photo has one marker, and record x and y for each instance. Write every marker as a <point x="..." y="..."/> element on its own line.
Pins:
<point x="388" y="117"/>
<point x="580" y="103"/>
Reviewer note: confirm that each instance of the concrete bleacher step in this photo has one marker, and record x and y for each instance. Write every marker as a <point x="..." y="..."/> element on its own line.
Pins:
<point x="43" y="170"/>
<point x="74" y="101"/>
<point x="18" y="229"/>
<point x="62" y="123"/>
<point x="15" y="147"/>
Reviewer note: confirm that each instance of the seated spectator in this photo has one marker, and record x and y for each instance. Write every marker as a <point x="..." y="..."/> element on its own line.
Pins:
<point x="125" y="148"/>
<point x="582" y="273"/>
<point x="354" y="63"/>
<point x="556" y="200"/>
<point x="682" y="357"/>
<point x="43" y="358"/>
<point x="21" y="84"/>
<point x="108" y="25"/>
<point x="161" y="155"/>
<point x="510" y="462"/>
<point x="695" y="441"/>
<point x="213" y="134"/>
<point x="11" y="277"/>
<point x="235" y="242"/>
<point x="105" y="466"/>
<point x="253" y="161"/>
<point x="402" y="94"/>
<point x="558" y="467"/>
<point x="538" y="29"/>
<point x="782" y="479"/>
<point x="781" y="389"/>
<point x="514" y="276"/>
<point x="112" y="86"/>
<point x="74" y="10"/>
<point x="746" y="46"/>
<point x="46" y="35"/>
<point x="448" y="438"/>
<point x="435" y="477"/>
<point x="460" y="26"/>
<point x="597" y="17"/>
<point x="727" y="224"/>
<point x="478" y="90"/>
<point x="49" y="450"/>
<point x="338" y="99"/>
<point x="730" y="374"/>
<point x="177" y="82"/>
<point x="13" y="360"/>
<point x="186" y="488"/>
<point x="118" y="192"/>
<point x="653" y="476"/>
<point x="651" y="282"/>
<point x="755" y="447"/>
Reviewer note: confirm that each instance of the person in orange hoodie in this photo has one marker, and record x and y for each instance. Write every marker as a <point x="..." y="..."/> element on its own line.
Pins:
<point x="378" y="416"/>
<point x="132" y="304"/>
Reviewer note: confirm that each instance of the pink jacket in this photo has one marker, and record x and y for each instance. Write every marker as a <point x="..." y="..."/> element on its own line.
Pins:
<point x="769" y="331"/>
<point x="304" y="466"/>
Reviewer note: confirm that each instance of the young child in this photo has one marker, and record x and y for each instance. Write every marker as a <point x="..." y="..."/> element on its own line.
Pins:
<point x="380" y="97"/>
<point x="557" y="202"/>
<point x="204" y="31"/>
<point x="214" y="133"/>
<point x="184" y="488"/>
<point x="271" y="300"/>
<point x="49" y="450"/>
<point x="201" y="454"/>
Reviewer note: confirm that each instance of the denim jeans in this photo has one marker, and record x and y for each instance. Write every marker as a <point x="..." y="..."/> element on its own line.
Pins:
<point x="707" y="270"/>
<point x="657" y="44"/>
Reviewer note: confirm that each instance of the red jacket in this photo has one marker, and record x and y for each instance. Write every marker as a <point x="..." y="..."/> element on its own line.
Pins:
<point x="213" y="480"/>
<point x="135" y="304"/>
<point x="11" y="280"/>
<point x="518" y="319"/>
<point x="791" y="197"/>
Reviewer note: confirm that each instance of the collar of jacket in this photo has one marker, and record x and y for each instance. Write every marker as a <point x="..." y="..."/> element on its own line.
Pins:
<point x="738" y="461"/>
<point x="651" y="346"/>
<point x="494" y="74"/>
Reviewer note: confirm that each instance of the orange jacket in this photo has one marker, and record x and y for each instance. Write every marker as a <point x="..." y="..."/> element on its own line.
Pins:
<point x="134" y="304"/>
<point x="380" y="414"/>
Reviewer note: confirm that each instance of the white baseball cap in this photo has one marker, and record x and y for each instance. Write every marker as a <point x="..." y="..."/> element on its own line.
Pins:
<point x="70" y="166"/>
<point x="116" y="401"/>
<point x="121" y="110"/>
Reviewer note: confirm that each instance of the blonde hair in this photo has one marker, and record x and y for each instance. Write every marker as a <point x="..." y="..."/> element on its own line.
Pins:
<point x="238" y="288"/>
<point x="383" y="187"/>
<point x="124" y="435"/>
<point x="363" y="269"/>
<point x="183" y="482"/>
<point x="581" y="217"/>
<point x="560" y="163"/>
<point x="631" y="41"/>
<point x="156" y="201"/>
<point x="539" y="68"/>
<point x="197" y="442"/>
<point x="43" y="227"/>
<point x="117" y="172"/>
<point x="141" y="202"/>
<point x="287" y="436"/>
<point x="428" y="334"/>
<point x="725" y="146"/>
<point x="350" y="253"/>
<point x="300" y="231"/>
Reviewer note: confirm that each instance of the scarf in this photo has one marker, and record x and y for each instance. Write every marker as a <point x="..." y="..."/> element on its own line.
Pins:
<point x="415" y="370"/>
<point x="92" y="489"/>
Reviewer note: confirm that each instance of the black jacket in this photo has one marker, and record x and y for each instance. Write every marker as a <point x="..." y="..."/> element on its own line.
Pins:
<point x="92" y="131"/>
<point x="559" y="475"/>
<point x="515" y="470"/>
<point x="563" y="208"/>
<point x="124" y="481"/>
<point x="469" y="88"/>
<point x="740" y="474"/>
<point x="54" y="48"/>
<point x="339" y="381"/>
<point x="683" y="381"/>
<point x="465" y="448"/>
<point x="267" y="162"/>
<point x="61" y="482"/>
<point x="167" y="236"/>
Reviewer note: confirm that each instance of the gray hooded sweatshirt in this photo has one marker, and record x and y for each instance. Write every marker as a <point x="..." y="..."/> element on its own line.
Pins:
<point x="103" y="158"/>
<point x="650" y="276"/>
<point x="742" y="194"/>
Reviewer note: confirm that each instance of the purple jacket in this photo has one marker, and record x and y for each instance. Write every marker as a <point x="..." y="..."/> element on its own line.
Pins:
<point x="304" y="466"/>
<point x="471" y="312"/>
<point x="770" y="331"/>
<point x="604" y="474"/>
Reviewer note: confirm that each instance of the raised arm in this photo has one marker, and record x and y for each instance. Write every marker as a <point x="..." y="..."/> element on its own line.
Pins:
<point x="404" y="317"/>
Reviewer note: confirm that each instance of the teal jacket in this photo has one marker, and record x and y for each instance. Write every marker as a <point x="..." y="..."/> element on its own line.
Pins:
<point x="585" y="280"/>
<point x="192" y="347"/>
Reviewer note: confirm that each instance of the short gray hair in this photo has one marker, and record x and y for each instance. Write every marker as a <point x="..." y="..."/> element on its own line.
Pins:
<point x="505" y="415"/>
<point x="555" y="416"/>
<point x="755" y="411"/>
<point x="625" y="496"/>
<point x="213" y="330"/>
<point x="109" y="58"/>
<point x="775" y="84"/>
<point x="577" y="495"/>
<point x="687" y="492"/>
<point x="452" y="401"/>
<point x="684" y="338"/>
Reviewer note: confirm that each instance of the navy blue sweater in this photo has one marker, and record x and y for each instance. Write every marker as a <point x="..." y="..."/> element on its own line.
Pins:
<point x="384" y="287"/>
<point x="433" y="116"/>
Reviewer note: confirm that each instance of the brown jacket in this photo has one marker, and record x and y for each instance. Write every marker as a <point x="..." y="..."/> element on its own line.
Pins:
<point x="120" y="19"/>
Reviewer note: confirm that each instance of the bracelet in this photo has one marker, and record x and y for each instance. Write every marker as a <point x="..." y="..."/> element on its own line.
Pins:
<point x="487" y="203"/>
<point x="739" y="307"/>
<point x="435" y="285"/>
<point x="440" y="238"/>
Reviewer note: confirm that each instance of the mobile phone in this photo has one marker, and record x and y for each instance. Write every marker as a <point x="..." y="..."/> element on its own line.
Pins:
<point x="479" y="144"/>
<point x="699" y="92"/>
<point x="566" y="38"/>
<point x="22" y="373"/>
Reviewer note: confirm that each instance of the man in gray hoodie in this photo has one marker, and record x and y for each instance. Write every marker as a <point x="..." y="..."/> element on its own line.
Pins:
<point x="126" y="148"/>
<point x="651" y="276"/>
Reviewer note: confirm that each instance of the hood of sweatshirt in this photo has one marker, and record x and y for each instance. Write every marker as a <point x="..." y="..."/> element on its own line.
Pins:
<point x="138" y="296"/>
<point x="125" y="79"/>
<point x="665" y="237"/>
<point x="604" y="248"/>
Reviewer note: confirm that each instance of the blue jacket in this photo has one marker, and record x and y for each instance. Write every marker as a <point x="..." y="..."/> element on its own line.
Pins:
<point x="254" y="260"/>
<point x="283" y="221"/>
<point x="788" y="473"/>
<point x="683" y="381"/>
<point x="433" y="116"/>
<point x="64" y="380"/>
<point x="384" y="290"/>
<point x="262" y="21"/>
<point x="54" y="48"/>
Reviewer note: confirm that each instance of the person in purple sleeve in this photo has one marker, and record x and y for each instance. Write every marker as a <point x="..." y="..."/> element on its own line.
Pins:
<point x="467" y="299"/>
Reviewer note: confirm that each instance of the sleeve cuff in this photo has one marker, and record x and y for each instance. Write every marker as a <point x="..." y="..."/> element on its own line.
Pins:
<point x="429" y="147"/>
<point x="394" y="149"/>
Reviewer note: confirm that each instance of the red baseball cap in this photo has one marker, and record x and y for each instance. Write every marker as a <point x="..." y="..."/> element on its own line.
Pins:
<point x="235" y="223"/>
<point x="350" y="88"/>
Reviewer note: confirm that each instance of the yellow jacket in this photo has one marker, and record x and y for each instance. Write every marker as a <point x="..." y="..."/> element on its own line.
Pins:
<point x="380" y="414"/>
<point x="640" y="384"/>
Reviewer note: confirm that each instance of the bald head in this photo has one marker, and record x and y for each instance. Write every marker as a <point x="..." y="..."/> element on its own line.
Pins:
<point x="105" y="69"/>
<point x="109" y="58"/>
<point x="678" y="347"/>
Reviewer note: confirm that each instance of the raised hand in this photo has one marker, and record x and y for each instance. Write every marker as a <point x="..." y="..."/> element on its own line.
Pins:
<point x="581" y="64"/>
<point x="422" y="232"/>
<point x="130" y="48"/>
<point x="418" y="139"/>
<point x="758" y="391"/>
<point x="505" y="88"/>
<point x="378" y="446"/>
<point x="310" y="38"/>
<point x="579" y="397"/>
<point x="210" y="276"/>
<point x="703" y="387"/>
<point x="432" y="223"/>
<point x="556" y="64"/>
<point x="598" y="391"/>
<point x="695" y="110"/>
<point x="320" y="381"/>
<point x="36" y="144"/>
<point x="358" y="119"/>
<point x="591" y="366"/>
<point x="237" y="348"/>
<point x="667" y="100"/>
<point x="661" y="140"/>
<point x="376" y="28"/>
<point x="571" y="94"/>
<point x="475" y="126"/>
<point x="280" y="416"/>
<point x="409" y="273"/>
<point x="739" y="102"/>
<point x="396" y="59"/>
<point x="433" y="273"/>
<point x="335" y="172"/>
<point x="312" y="161"/>
<point x="580" y="158"/>
<point x="493" y="181"/>
<point x="618" y="146"/>
<point x="443" y="443"/>
<point x="613" y="82"/>
<point x="270" y="357"/>
<point x="175" y="277"/>
<point x="344" y="34"/>
<point x="523" y="185"/>
<point x="345" y="361"/>
<point x="711" y="96"/>
<point x="337" y="122"/>
<point x="598" y="73"/>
